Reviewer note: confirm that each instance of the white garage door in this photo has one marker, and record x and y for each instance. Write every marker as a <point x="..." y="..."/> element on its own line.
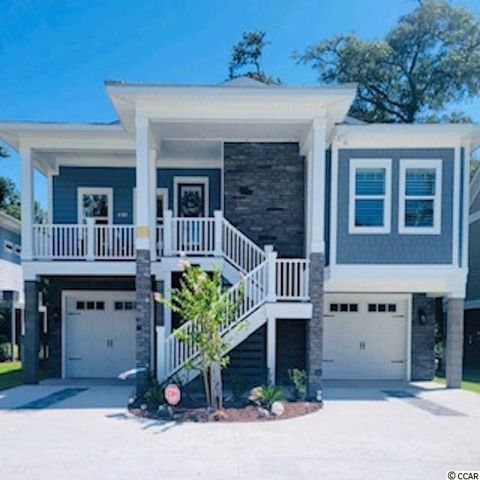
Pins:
<point x="365" y="337"/>
<point x="99" y="334"/>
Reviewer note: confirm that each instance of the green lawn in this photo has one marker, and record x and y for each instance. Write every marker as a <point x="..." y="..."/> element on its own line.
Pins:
<point x="10" y="374"/>
<point x="471" y="381"/>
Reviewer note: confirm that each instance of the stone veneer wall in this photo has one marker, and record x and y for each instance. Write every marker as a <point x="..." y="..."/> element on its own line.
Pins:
<point x="264" y="194"/>
<point x="423" y="338"/>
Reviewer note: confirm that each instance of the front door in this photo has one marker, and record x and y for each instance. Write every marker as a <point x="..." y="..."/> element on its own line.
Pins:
<point x="191" y="199"/>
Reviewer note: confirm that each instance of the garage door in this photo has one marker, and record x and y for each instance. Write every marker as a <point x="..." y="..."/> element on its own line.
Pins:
<point x="365" y="337"/>
<point x="99" y="334"/>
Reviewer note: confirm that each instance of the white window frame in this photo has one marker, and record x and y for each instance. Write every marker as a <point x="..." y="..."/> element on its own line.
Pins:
<point x="199" y="180"/>
<point x="405" y="165"/>
<point x="163" y="191"/>
<point x="81" y="191"/>
<point x="363" y="163"/>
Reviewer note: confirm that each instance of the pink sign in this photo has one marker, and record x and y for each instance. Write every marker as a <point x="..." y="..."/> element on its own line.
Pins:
<point x="172" y="394"/>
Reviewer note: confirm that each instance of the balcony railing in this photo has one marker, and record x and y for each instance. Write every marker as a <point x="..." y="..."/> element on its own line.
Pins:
<point x="83" y="242"/>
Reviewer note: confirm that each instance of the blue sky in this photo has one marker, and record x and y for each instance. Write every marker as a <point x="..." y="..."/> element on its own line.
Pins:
<point x="55" y="55"/>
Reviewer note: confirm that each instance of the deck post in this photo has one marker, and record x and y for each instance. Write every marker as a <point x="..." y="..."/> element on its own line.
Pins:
<point x="218" y="233"/>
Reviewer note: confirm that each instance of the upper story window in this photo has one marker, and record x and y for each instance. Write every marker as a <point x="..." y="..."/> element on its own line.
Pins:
<point x="95" y="203"/>
<point x="370" y="196"/>
<point x="420" y="196"/>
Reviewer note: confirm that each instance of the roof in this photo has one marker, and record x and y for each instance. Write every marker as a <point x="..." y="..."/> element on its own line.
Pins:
<point x="10" y="223"/>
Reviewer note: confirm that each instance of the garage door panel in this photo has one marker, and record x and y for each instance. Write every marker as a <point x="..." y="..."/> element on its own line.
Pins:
<point x="99" y="339"/>
<point x="365" y="337"/>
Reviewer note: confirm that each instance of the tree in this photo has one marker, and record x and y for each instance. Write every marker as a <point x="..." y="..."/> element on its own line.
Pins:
<point x="200" y="299"/>
<point x="429" y="60"/>
<point x="9" y="198"/>
<point x="247" y="56"/>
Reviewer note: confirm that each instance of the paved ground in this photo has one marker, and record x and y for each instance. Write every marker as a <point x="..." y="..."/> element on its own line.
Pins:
<point x="362" y="433"/>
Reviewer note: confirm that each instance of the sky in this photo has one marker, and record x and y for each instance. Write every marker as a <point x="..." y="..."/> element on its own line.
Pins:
<point x="56" y="54"/>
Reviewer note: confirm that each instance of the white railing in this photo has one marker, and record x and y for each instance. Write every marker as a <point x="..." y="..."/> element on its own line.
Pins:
<point x="249" y="293"/>
<point x="83" y="242"/>
<point x="114" y="242"/>
<point x="159" y="240"/>
<point x="239" y="249"/>
<point x="59" y="241"/>
<point x="291" y="279"/>
<point x="189" y="236"/>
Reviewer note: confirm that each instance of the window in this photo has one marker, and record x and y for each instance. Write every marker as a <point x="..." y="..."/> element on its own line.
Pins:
<point x="370" y="196"/>
<point x="420" y="196"/>
<point x="95" y="203"/>
<point x="344" y="307"/>
<point x="125" y="305"/>
<point x="81" y="305"/>
<point x="382" y="307"/>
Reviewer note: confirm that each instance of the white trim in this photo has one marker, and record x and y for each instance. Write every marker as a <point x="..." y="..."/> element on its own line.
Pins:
<point x="472" y="305"/>
<point x="90" y="294"/>
<point x="466" y="195"/>
<point x="160" y="191"/>
<point x="201" y="180"/>
<point x="334" y="203"/>
<point x="81" y="191"/>
<point x="50" y="197"/>
<point x="436" y="165"/>
<point x="355" y="164"/>
<point x="474" y="217"/>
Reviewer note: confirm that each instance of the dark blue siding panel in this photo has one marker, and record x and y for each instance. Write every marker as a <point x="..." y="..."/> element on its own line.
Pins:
<point x="394" y="248"/>
<point x="7" y="235"/>
<point x="328" y="202"/>
<point x="460" y="217"/>
<point x="122" y="181"/>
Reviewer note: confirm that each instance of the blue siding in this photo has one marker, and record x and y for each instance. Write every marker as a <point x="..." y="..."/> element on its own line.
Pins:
<point x="394" y="248"/>
<point x="460" y="217"/>
<point x="122" y="181"/>
<point x="7" y="235"/>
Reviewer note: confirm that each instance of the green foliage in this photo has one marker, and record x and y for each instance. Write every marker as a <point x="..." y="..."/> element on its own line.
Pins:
<point x="155" y="393"/>
<point x="247" y="56"/>
<point x="430" y="59"/>
<point x="267" y="394"/>
<point x="299" y="382"/>
<point x="5" y="351"/>
<point x="9" y="198"/>
<point x="200" y="299"/>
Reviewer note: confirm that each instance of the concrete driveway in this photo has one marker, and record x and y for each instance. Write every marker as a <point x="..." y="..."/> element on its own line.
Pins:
<point x="362" y="433"/>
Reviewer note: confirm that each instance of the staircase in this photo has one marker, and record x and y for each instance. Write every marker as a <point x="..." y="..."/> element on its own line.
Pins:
<point x="263" y="279"/>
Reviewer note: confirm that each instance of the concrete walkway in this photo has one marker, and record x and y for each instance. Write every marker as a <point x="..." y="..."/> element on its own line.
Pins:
<point x="416" y="431"/>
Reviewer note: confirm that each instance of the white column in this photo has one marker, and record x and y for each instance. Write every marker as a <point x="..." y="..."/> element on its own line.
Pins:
<point x="271" y="257"/>
<point x="13" y="328"/>
<point x="27" y="201"/>
<point x="160" y="353"/>
<point x="317" y="187"/>
<point x="90" y="239"/>
<point x="272" y="348"/>
<point x="144" y="214"/>
<point x="218" y="232"/>
<point x="167" y="233"/>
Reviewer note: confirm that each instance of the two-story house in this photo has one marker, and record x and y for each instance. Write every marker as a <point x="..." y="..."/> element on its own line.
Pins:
<point x="11" y="281"/>
<point x="342" y="234"/>
<point x="472" y="303"/>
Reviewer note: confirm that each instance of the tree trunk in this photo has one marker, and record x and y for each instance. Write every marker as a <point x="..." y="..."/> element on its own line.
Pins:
<point x="216" y="390"/>
<point x="206" y="384"/>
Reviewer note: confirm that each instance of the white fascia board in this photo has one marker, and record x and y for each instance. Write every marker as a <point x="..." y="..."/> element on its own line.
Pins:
<point x="397" y="278"/>
<point x="33" y="269"/>
<point x="10" y="223"/>
<point x="402" y="135"/>
<point x="221" y="103"/>
<point x="66" y="136"/>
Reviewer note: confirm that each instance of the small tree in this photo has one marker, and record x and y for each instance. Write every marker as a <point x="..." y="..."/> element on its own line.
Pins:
<point x="247" y="58"/>
<point x="201" y="300"/>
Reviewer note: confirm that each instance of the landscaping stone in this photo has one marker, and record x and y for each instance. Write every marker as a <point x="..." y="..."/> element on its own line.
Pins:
<point x="277" y="409"/>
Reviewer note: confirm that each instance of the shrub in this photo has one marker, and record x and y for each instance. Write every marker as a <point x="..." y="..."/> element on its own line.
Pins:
<point x="299" y="382"/>
<point x="155" y="393"/>
<point x="265" y="395"/>
<point x="5" y="351"/>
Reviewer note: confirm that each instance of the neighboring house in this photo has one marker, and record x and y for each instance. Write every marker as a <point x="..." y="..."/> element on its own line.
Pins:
<point x="11" y="281"/>
<point x="472" y="304"/>
<point x="343" y="234"/>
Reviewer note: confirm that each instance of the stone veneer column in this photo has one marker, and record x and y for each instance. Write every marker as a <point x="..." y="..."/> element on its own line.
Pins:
<point x="143" y="288"/>
<point x="315" y="324"/>
<point x="31" y="341"/>
<point x="454" y="352"/>
<point x="423" y="337"/>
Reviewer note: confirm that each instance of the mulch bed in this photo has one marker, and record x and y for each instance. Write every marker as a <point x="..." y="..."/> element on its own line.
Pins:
<point x="247" y="413"/>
